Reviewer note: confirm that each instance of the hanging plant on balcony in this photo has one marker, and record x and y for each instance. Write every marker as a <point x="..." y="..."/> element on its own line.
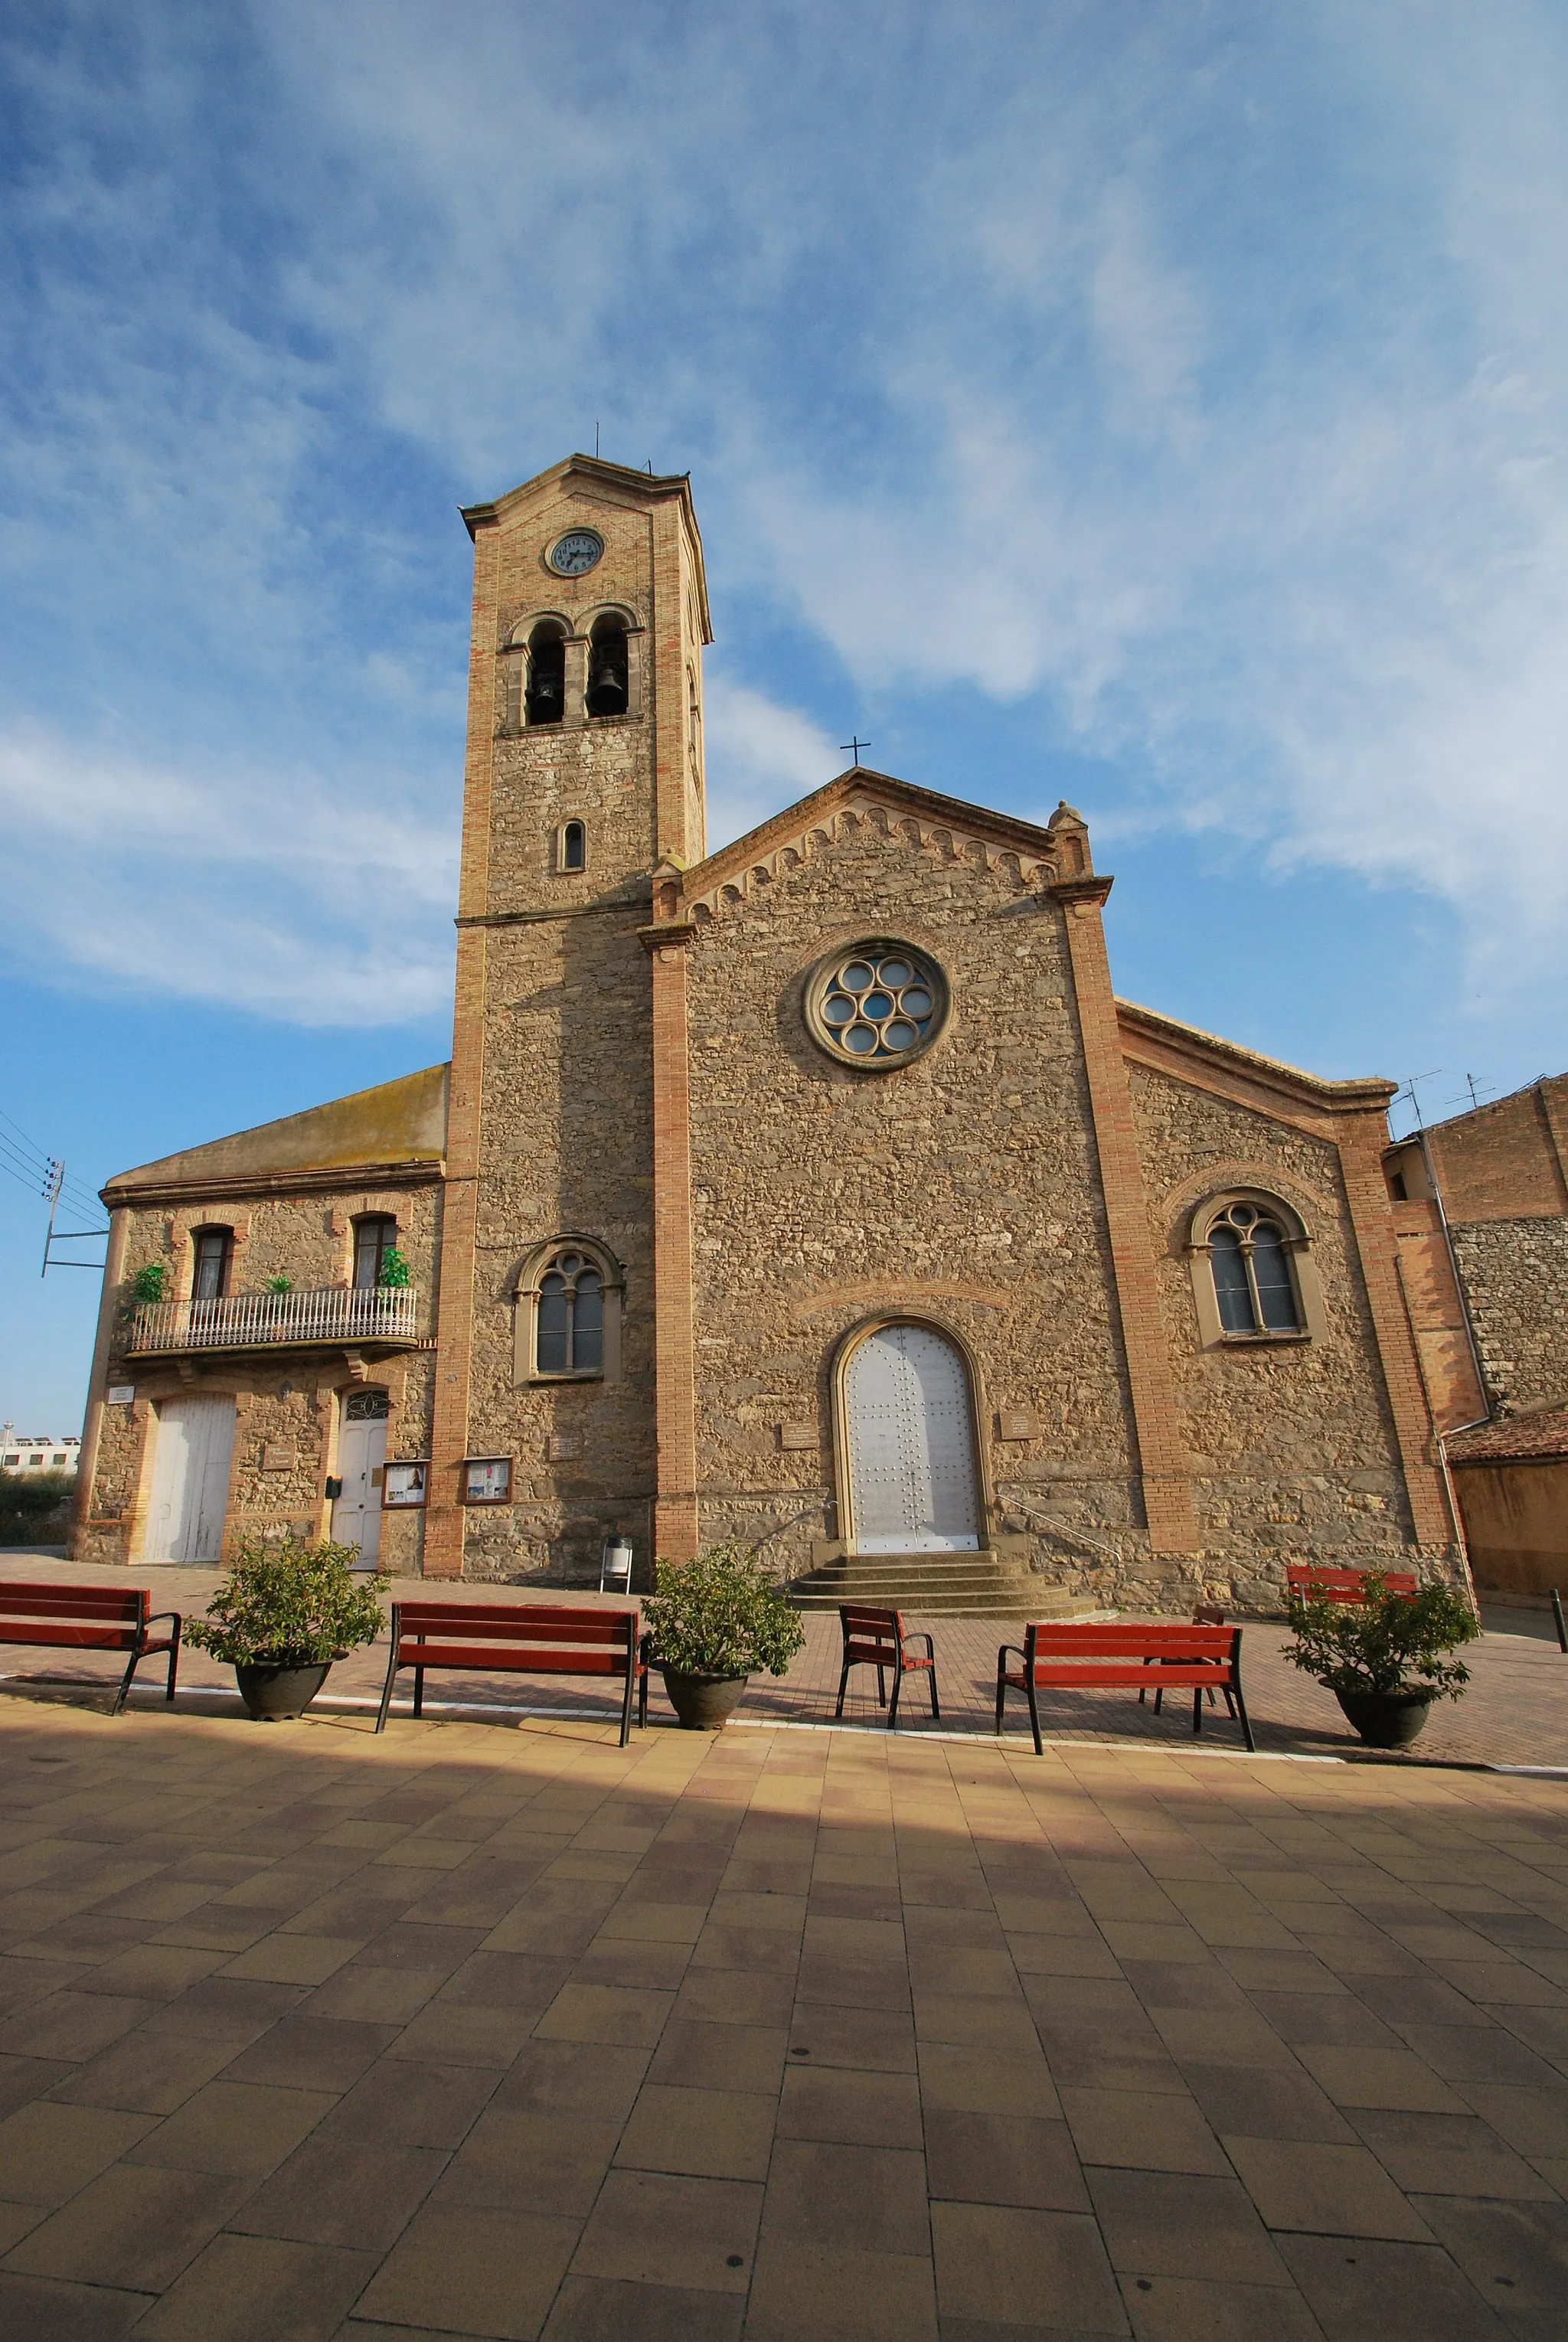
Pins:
<point x="392" y="1273"/>
<point x="149" y="1285"/>
<point x="281" y="1617"/>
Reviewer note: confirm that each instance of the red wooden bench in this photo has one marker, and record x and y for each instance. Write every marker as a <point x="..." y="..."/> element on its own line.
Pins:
<point x="533" y="1638"/>
<point x="90" y="1618"/>
<point x="1091" y="1658"/>
<point x="877" y="1639"/>
<point x="1314" y="1581"/>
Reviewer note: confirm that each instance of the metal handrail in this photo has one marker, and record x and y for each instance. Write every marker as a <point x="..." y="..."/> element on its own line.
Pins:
<point x="334" y="1312"/>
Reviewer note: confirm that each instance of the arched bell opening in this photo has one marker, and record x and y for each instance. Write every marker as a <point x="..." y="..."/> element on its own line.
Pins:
<point x="609" y="682"/>
<point x="545" y="694"/>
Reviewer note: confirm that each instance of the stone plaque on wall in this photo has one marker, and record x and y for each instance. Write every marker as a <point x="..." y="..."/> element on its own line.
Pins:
<point x="276" y="1457"/>
<point x="564" y="1447"/>
<point x="1017" y="1423"/>
<point x="797" y="1434"/>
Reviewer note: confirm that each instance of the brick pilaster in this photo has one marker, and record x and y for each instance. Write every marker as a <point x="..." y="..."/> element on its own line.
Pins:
<point x="444" y="1520"/>
<point x="1157" y="1423"/>
<point x="1361" y="1140"/>
<point x="675" y="1528"/>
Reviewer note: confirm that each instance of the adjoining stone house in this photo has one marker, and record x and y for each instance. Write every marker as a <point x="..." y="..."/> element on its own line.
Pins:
<point x="1480" y="1205"/>
<point x="818" y="1189"/>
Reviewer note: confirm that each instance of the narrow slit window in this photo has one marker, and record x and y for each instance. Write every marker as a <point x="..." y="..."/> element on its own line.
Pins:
<point x="574" y="846"/>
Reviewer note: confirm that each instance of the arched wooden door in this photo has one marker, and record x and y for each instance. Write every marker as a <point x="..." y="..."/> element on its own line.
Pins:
<point x="908" y="1424"/>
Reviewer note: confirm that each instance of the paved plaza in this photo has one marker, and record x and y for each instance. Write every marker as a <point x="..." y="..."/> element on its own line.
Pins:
<point x="489" y="2027"/>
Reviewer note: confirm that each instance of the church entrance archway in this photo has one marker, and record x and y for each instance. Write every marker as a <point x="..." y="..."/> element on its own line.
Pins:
<point x="908" y="1428"/>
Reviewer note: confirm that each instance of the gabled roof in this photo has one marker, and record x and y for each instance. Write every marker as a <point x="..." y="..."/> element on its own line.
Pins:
<point x="396" y="1127"/>
<point x="861" y="791"/>
<point x="1168" y="1046"/>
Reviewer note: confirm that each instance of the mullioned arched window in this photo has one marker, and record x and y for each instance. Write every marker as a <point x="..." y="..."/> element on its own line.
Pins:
<point x="569" y="1297"/>
<point x="1253" y="1277"/>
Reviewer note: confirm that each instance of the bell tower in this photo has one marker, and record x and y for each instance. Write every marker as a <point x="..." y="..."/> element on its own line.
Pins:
<point x="584" y="773"/>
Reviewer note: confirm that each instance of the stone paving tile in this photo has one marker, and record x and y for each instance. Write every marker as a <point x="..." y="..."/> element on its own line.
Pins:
<point x="771" y="2034"/>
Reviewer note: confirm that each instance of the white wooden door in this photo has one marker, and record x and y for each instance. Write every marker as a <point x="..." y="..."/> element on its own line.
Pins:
<point x="196" y="1441"/>
<point x="912" y="1479"/>
<point x="362" y="1467"/>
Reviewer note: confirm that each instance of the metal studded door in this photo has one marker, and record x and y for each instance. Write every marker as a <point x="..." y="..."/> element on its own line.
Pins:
<point x="912" y="1479"/>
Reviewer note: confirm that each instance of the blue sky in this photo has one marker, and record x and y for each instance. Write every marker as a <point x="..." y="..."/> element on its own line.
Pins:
<point x="1157" y="404"/>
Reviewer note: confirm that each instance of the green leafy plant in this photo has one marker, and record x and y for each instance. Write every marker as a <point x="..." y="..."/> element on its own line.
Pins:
<point x="1389" y="1643"/>
<point x="26" y="1499"/>
<point x="278" y="1285"/>
<point x="720" y="1616"/>
<point x="150" y="1284"/>
<point x="292" y="1605"/>
<point x="394" y="1270"/>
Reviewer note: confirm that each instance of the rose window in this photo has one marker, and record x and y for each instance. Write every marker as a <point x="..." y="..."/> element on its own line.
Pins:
<point x="878" y="1004"/>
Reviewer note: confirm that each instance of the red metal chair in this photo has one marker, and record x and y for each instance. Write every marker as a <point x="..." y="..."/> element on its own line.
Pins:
<point x="1205" y="1614"/>
<point x="877" y="1639"/>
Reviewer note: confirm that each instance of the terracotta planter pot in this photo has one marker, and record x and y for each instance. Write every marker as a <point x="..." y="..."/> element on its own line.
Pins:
<point x="1386" y="1719"/>
<point x="273" y="1694"/>
<point x="704" y="1703"/>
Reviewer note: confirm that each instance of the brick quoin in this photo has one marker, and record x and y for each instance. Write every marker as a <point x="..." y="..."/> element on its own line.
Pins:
<point x="676" y="1524"/>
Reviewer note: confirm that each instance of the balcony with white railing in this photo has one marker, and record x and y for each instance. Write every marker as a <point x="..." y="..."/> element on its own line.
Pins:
<point x="247" y="1321"/>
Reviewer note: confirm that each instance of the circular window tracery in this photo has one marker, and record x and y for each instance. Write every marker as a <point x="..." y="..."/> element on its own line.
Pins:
<point x="877" y="1003"/>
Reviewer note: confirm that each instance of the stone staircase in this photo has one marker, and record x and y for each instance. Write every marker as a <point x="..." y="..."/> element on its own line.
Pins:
<point x="984" y="1585"/>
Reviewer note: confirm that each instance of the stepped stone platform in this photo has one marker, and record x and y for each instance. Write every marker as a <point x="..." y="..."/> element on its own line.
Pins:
<point x="981" y="1585"/>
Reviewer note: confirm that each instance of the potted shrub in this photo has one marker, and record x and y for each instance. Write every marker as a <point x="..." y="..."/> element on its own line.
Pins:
<point x="1385" y="1659"/>
<point x="711" y="1624"/>
<point x="281" y="1617"/>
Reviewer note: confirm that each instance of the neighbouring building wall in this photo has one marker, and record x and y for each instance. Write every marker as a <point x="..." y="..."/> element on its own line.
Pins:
<point x="961" y="1190"/>
<point x="1507" y="1160"/>
<point x="287" y="1400"/>
<point x="1516" y="1522"/>
<point x="1293" y="1449"/>
<point x="1515" y="1277"/>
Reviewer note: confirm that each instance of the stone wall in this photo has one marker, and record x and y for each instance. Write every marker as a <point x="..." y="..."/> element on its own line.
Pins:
<point x="962" y="1189"/>
<point x="1293" y="1449"/>
<point x="1515" y="1274"/>
<point x="287" y="1405"/>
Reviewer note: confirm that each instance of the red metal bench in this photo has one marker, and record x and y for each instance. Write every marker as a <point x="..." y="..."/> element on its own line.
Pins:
<point x="533" y="1638"/>
<point x="1095" y="1659"/>
<point x="877" y="1639"/>
<point x="90" y="1618"/>
<point x="1314" y="1581"/>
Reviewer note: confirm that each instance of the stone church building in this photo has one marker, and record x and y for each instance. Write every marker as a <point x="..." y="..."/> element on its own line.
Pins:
<point x="818" y="1189"/>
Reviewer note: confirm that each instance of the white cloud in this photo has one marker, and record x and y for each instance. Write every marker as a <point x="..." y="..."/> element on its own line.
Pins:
<point x="268" y="893"/>
<point x="760" y="757"/>
<point x="1196" y="373"/>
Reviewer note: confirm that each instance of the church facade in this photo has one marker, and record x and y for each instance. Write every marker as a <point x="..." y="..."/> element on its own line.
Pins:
<point x="818" y="1190"/>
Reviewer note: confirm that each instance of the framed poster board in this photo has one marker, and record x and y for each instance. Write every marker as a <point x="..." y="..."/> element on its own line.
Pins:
<point x="487" y="1480"/>
<point x="403" y="1487"/>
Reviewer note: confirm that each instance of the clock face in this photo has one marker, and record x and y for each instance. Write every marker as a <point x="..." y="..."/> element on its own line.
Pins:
<point x="579" y="550"/>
